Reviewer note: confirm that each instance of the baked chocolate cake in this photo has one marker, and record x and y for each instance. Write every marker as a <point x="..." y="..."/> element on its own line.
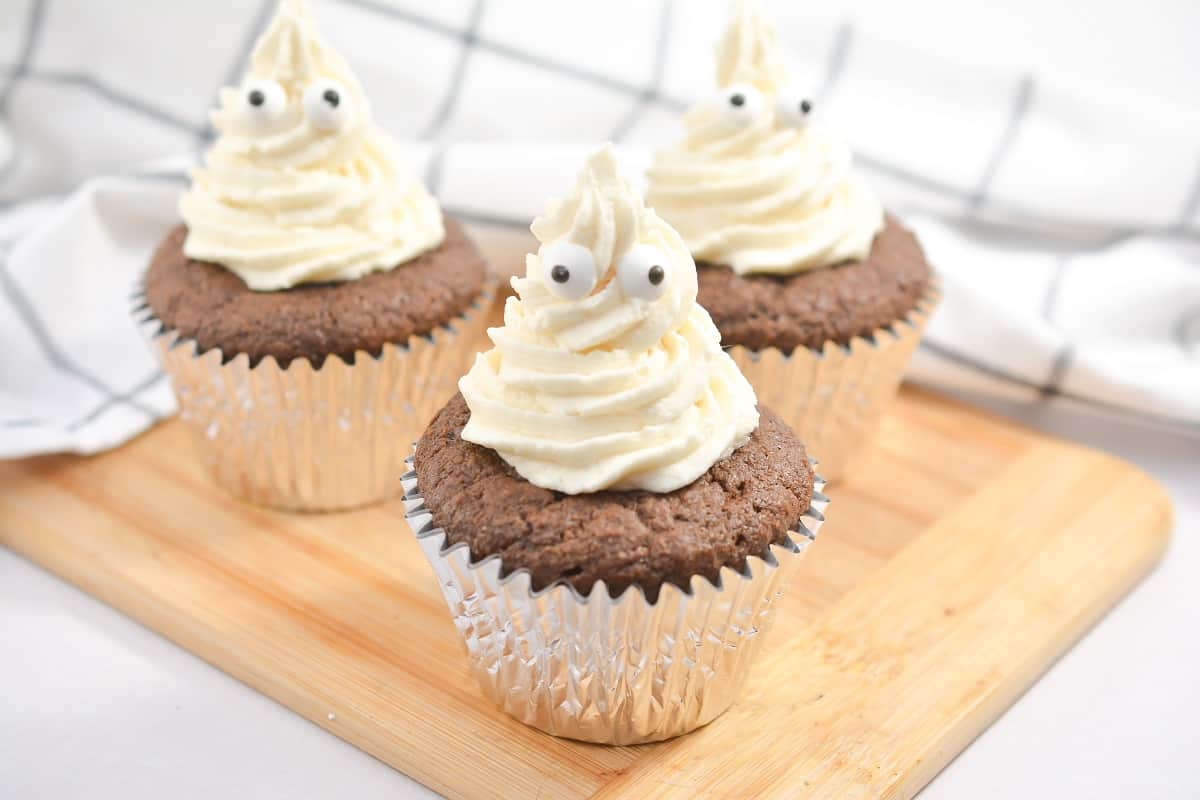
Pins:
<point x="808" y="309"/>
<point x="743" y="504"/>
<point x="208" y="303"/>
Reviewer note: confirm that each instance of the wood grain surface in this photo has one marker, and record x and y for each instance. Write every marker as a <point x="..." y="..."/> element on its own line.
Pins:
<point x="962" y="556"/>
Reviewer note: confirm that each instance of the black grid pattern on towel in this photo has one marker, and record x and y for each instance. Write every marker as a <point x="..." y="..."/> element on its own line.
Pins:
<point x="433" y="132"/>
<point x="642" y="97"/>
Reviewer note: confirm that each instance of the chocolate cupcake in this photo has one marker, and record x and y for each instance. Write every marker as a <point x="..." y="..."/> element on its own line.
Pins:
<point x="609" y="514"/>
<point x="315" y="307"/>
<point x="820" y="296"/>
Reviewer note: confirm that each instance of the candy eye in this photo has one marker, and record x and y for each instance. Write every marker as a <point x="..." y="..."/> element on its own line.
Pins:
<point x="262" y="102"/>
<point x="570" y="270"/>
<point x="327" y="105"/>
<point x="741" y="104"/>
<point x="794" y="110"/>
<point x="644" y="272"/>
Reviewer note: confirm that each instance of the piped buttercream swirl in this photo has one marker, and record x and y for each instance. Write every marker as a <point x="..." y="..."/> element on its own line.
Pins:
<point x="613" y="390"/>
<point x="755" y="186"/>
<point x="300" y="186"/>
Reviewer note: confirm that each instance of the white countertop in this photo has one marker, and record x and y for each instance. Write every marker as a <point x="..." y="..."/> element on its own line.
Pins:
<point x="94" y="705"/>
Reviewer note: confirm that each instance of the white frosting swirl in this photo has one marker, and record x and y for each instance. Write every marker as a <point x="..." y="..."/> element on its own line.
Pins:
<point x="747" y="51"/>
<point x="762" y="194"/>
<point x="610" y="390"/>
<point x="290" y="199"/>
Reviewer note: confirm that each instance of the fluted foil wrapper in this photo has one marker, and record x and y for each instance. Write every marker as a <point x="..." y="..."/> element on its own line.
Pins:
<point x="315" y="439"/>
<point x="835" y="397"/>
<point x="618" y="671"/>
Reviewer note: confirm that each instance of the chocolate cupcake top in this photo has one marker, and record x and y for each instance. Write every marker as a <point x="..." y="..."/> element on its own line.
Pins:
<point x="606" y="373"/>
<point x="808" y="309"/>
<point x="211" y="305"/>
<point x="753" y="185"/>
<point x="300" y="186"/>
<point x="736" y="508"/>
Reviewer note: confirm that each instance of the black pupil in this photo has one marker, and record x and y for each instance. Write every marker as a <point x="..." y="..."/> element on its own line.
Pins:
<point x="332" y="97"/>
<point x="656" y="275"/>
<point x="738" y="100"/>
<point x="805" y="106"/>
<point x="257" y="98"/>
<point x="560" y="274"/>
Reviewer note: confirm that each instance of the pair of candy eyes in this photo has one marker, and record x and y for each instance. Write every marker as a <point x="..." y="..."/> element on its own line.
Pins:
<point x="741" y="104"/>
<point x="326" y="103"/>
<point x="643" y="271"/>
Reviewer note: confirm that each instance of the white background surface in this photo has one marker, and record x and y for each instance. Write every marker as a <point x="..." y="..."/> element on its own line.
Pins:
<point x="92" y="705"/>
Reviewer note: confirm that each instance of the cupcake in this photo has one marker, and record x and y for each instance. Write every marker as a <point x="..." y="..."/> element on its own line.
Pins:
<point x="820" y="296"/>
<point x="315" y="307"/>
<point x="610" y="515"/>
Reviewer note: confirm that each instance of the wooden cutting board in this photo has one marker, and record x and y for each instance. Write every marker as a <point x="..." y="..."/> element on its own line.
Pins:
<point x="962" y="558"/>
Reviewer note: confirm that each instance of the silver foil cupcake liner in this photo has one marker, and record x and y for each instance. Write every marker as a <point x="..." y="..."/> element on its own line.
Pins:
<point x="834" y="397"/>
<point x="621" y="670"/>
<point x="307" y="438"/>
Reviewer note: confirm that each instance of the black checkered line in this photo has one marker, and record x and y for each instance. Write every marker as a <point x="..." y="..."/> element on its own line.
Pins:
<point x="15" y="72"/>
<point x="65" y="365"/>
<point x="1051" y="387"/>
<point x="177" y="177"/>
<point x="1187" y="332"/>
<point x="839" y="54"/>
<point x="441" y="118"/>
<point x="112" y="94"/>
<point x="958" y="358"/>
<point x="261" y="19"/>
<point x="149" y="382"/>
<point x="648" y="96"/>
<point x="1066" y="353"/>
<point x="33" y="30"/>
<point x="1192" y="204"/>
<point x="502" y="49"/>
<point x="1022" y="100"/>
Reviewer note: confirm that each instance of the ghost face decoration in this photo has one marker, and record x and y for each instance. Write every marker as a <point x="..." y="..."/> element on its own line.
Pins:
<point x="300" y="187"/>
<point x="264" y="105"/>
<point x="743" y="104"/>
<point x="753" y="184"/>
<point x="643" y="273"/>
<point x="606" y="374"/>
<point x="299" y="102"/>
<point x="629" y="301"/>
<point x="610" y="273"/>
<point x="753" y="78"/>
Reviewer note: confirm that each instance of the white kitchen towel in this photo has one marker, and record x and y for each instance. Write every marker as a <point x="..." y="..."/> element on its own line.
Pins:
<point x="1065" y="222"/>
